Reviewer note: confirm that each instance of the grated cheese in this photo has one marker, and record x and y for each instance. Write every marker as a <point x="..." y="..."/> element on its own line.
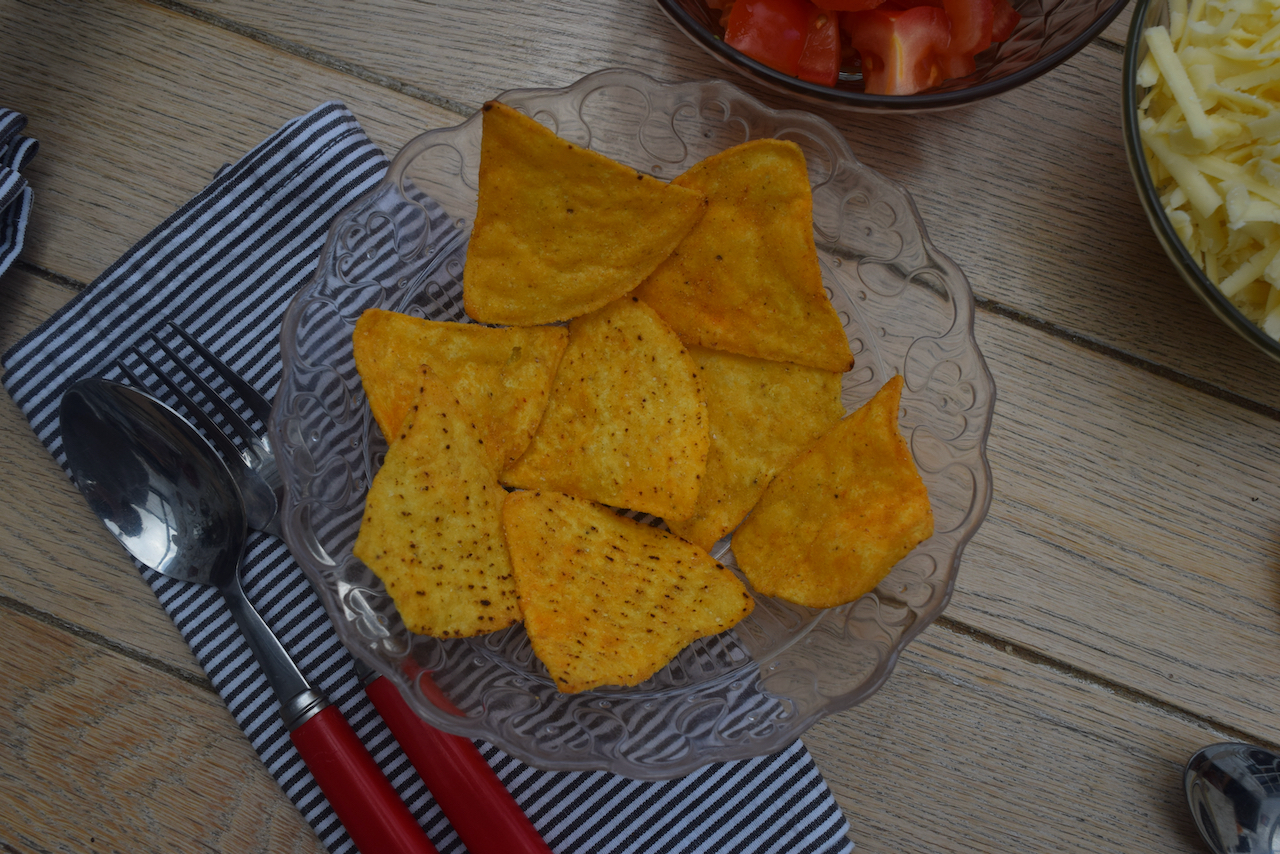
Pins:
<point x="1210" y="122"/>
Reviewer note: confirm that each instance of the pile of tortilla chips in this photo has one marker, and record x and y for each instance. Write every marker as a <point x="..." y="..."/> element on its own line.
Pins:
<point x="696" y="379"/>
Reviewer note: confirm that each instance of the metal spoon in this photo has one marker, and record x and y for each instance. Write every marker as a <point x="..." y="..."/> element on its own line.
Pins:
<point x="164" y="492"/>
<point x="1234" y="793"/>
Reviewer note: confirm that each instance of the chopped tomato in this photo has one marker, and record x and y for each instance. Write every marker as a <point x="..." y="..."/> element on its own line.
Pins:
<point x="820" y="59"/>
<point x="770" y="31"/>
<point x="847" y="5"/>
<point x="904" y="46"/>
<point x="1004" y="20"/>
<point x="971" y="26"/>
<point x="957" y="65"/>
<point x="724" y="7"/>
<point x="901" y="50"/>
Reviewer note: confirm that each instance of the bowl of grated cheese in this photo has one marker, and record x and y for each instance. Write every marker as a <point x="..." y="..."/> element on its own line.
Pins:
<point x="1201" y="104"/>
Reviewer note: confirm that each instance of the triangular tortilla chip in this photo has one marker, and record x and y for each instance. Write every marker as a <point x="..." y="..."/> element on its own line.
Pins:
<point x="432" y="526"/>
<point x="747" y="279"/>
<point x="502" y="376"/>
<point x="561" y="230"/>
<point x="608" y="600"/>
<point x="626" y="424"/>
<point x="831" y="526"/>
<point x="761" y="414"/>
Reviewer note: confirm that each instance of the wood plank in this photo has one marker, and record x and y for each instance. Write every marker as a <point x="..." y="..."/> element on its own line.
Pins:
<point x="136" y="107"/>
<point x="149" y="763"/>
<point x="1055" y="255"/>
<point x="101" y="753"/>
<point x="55" y="556"/>
<point x="966" y="749"/>
<point x="1132" y="532"/>
<point x="1065" y="533"/>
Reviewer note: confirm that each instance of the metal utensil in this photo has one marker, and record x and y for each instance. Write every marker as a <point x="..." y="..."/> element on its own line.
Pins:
<point x="1234" y="793"/>
<point x="483" y="813"/>
<point x="164" y="492"/>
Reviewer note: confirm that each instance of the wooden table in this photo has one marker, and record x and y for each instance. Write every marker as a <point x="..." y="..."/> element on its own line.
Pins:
<point x="1119" y="608"/>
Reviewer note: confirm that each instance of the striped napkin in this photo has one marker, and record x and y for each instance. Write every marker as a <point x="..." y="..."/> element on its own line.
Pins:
<point x="225" y="266"/>
<point x="16" y="151"/>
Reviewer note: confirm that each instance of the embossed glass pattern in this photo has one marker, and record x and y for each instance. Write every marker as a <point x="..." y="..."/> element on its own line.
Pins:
<point x="1050" y="32"/>
<point x="907" y="309"/>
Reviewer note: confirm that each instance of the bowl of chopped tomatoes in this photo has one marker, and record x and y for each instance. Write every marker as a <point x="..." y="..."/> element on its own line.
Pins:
<point x="892" y="55"/>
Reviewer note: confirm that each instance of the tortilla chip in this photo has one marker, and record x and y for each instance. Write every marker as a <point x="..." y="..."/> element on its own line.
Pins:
<point x="626" y="424"/>
<point x="432" y="527"/>
<point x="831" y="526"/>
<point x="502" y="376"/>
<point x="747" y="279"/>
<point x="561" y="230"/>
<point x="760" y="414"/>
<point x="608" y="600"/>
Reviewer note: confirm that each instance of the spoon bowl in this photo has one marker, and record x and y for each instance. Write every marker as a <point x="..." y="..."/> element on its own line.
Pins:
<point x="1234" y="793"/>
<point x="164" y="497"/>
<point x="164" y="492"/>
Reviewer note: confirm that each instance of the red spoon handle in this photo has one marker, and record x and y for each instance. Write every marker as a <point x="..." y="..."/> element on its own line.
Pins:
<point x="481" y="810"/>
<point x="367" y="805"/>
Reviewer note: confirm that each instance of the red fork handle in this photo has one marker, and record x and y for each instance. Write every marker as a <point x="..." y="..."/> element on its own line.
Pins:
<point x="364" y="800"/>
<point x="481" y="810"/>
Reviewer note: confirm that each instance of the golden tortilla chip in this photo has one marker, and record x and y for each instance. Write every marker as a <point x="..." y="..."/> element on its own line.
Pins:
<point x="502" y="376"/>
<point x="626" y="424"/>
<point x="561" y="230"/>
<point x="608" y="600"/>
<point x="831" y="526"/>
<point x="747" y="279"/>
<point x="760" y="414"/>
<point x="432" y="527"/>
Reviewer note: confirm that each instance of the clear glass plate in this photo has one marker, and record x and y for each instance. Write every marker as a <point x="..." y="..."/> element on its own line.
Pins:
<point x="747" y="692"/>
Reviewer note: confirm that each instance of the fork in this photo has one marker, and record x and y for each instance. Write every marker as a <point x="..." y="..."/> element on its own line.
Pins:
<point x="253" y="465"/>
<point x="483" y="813"/>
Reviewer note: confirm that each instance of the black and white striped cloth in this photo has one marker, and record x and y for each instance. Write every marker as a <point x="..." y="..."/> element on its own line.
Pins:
<point x="16" y="152"/>
<point x="224" y="266"/>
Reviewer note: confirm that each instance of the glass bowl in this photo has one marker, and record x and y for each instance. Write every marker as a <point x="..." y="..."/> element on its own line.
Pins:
<point x="1050" y="32"/>
<point x="747" y="692"/>
<point x="1150" y="13"/>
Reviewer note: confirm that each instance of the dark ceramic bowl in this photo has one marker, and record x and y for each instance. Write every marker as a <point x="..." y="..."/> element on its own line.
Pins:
<point x="1050" y="32"/>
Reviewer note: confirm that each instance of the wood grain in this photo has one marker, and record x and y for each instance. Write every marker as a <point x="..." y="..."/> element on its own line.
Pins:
<point x="1119" y="607"/>
<point x="100" y="753"/>
<point x="118" y="96"/>
<point x="1133" y="531"/>
<point x="1033" y="759"/>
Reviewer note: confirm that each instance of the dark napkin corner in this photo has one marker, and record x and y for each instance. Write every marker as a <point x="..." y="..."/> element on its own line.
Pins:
<point x="16" y="196"/>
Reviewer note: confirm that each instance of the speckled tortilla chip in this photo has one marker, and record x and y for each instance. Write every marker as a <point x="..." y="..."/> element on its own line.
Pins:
<point x="608" y="600"/>
<point x="432" y="526"/>
<point x="747" y="279"/>
<point x="561" y="230"/>
<point x="626" y="423"/>
<point x="502" y="376"/>
<point x="831" y="526"/>
<point x="760" y="414"/>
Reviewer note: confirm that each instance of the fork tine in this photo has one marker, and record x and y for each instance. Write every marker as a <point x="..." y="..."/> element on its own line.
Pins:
<point x="246" y="432"/>
<point x="251" y="396"/>
<point x="214" y="433"/>
<point x="252" y="467"/>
